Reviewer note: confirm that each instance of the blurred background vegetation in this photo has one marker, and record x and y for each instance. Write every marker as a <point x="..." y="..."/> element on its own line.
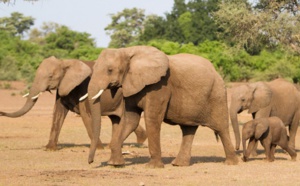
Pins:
<point x="245" y="40"/>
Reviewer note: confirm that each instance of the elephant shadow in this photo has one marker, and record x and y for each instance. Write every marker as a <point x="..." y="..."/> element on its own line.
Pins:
<point x="262" y="152"/>
<point x="105" y="145"/>
<point x="166" y="160"/>
<point x="70" y="145"/>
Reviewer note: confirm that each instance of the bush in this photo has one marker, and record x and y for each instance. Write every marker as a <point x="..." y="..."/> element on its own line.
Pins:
<point x="86" y="53"/>
<point x="9" y="69"/>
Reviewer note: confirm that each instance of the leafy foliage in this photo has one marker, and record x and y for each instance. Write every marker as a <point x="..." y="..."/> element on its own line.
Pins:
<point x="244" y="41"/>
<point x="268" y="24"/>
<point x="125" y="27"/>
<point x="16" y="24"/>
<point x="190" y="22"/>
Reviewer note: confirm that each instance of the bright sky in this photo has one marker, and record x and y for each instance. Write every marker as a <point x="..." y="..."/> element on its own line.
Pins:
<point x="90" y="16"/>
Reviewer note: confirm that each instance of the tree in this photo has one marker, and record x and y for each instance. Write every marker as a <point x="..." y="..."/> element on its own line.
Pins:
<point x="268" y="23"/>
<point x="16" y="24"/>
<point x="203" y="25"/>
<point x="66" y="40"/>
<point x="38" y="35"/>
<point x="126" y="26"/>
<point x="154" y="28"/>
<point x="187" y="22"/>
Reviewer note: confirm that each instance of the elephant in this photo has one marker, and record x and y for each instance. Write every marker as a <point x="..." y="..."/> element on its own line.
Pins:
<point x="70" y="78"/>
<point x="265" y="99"/>
<point x="270" y="132"/>
<point x="182" y="89"/>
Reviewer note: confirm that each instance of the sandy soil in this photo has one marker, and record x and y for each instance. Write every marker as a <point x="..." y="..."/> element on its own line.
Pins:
<point x="24" y="161"/>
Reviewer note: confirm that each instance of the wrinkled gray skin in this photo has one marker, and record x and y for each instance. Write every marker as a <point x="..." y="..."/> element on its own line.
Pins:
<point x="181" y="89"/>
<point x="71" y="78"/>
<point x="270" y="132"/>
<point x="264" y="99"/>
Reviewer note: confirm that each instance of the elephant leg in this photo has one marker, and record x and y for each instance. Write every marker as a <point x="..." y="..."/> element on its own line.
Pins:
<point x="127" y="125"/>
<point x="293" y="130"/>
<point x="251" y="145"/>
<point x="267" y="147"/>
<point x="291" y="151"/>
<point x="272" y="152"/>
<point x="59" y="115"/>
<point x="184" y="155"/>
<point x="254" y="150"/>
<point x="115" y="120"/>
<point x="141" y="135"/>
<point x="231" y="158"/>
<point x="153" y="127"/>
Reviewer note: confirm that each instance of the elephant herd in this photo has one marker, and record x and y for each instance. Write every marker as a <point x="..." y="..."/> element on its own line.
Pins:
<point x="181" y="89"/>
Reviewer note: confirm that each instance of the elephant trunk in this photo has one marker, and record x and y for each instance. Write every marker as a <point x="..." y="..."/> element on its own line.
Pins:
<point x="95" y="107"/>
<point x="235" y="125"/>
<point x="31" y="100"/>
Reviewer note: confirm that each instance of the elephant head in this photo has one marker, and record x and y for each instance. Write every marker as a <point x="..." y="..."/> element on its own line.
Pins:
<point x="131" y="68"/>
<point x="53" y="73"/>
<point x="253" y="97"/>
<point x="254" y="128"/>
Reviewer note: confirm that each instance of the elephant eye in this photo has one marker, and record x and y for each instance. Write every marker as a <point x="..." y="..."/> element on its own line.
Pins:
<point x="243" y="99"/>
<point x="109" y="71"/>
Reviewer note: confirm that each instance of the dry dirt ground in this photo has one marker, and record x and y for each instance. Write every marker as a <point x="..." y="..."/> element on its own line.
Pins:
<point x="24" y="161"/>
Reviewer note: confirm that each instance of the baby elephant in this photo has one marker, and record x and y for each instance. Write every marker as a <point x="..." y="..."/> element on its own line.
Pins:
<point x="271" y="132"/>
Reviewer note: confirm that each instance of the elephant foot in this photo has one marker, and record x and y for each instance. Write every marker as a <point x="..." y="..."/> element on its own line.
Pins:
<point x="181" y="162"/>
<point x="51" y="147"/>
<point x="100" y="146"/>
<point x="254" y="153"/>
<point x="232" y="161"/>
<point x="116" y="161"/>
<point x="269" y="160"/>
<point x="294" y="158"/>
<point x="245" y="159"/>
<point x="155" y="164"/>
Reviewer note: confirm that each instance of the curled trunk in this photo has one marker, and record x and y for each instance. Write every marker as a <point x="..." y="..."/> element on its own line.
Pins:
<point x="31" y="100"/>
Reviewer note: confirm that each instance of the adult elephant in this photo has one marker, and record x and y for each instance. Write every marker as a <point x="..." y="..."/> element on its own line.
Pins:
<point x="181" y="89"/>
<point x="71" y="78"/>
<point x="264" y="99"/>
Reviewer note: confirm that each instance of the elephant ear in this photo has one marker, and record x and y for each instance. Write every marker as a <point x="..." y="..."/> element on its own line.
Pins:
<point x="261" y="128"/>
<point x="146" y="66"/>
<point x="262" y="95"/>
<point x="75" y="73"/>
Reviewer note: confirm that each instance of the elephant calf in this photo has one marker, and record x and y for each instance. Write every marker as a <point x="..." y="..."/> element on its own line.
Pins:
<point x="271" y="132"/>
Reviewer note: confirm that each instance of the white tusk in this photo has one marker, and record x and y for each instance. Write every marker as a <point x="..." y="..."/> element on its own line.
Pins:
<point x="83" y="97"/>
<point x="35" y="97"/>
<point x="98" y="95"/>
<point x="25" y="95"/>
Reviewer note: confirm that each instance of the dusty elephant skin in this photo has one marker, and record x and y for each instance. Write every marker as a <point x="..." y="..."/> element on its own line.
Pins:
<point x="270" y="132"/>
<point x="264" y="99"/>
<point x="181" y="89"/>
<point x="71" y="78"/>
